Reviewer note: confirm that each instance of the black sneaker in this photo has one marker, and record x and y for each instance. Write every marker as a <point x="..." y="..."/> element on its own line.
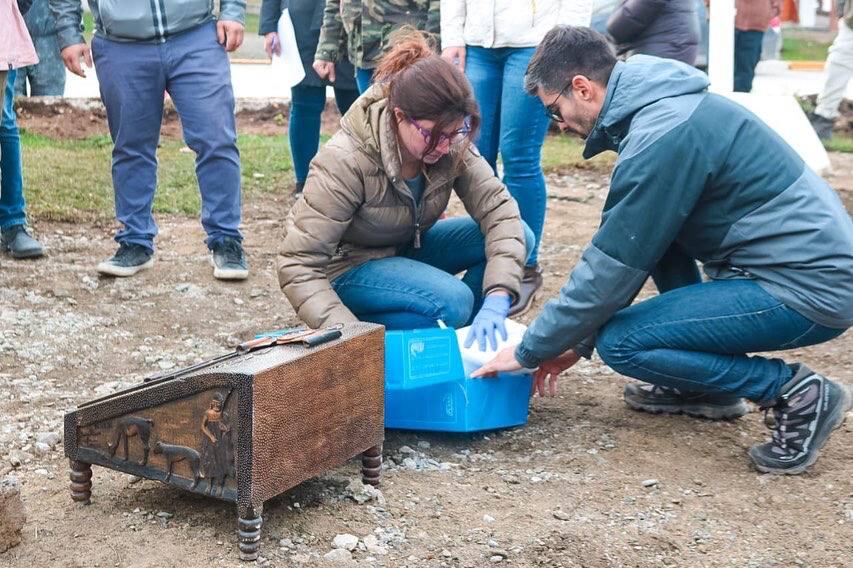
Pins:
<point x="809" y="408"/>
<point x="665" y="400"/>
<point x="531" y="285"/>
<point x="228" y="260"/>
<point x="822" y="126"/>
<point x="129" y="259"/>
<point x="19" y="243"/>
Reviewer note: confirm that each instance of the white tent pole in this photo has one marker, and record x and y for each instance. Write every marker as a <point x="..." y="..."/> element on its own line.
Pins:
<point x="721" y="38"/>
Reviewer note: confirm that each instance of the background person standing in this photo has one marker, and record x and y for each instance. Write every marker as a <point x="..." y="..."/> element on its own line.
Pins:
<point x="752" y="20"/>
<point x="361" y="30"/>
<point x="16" y="51"/>
<point x="839" y="71"/>
<point x="47" y="77"/>
<point x="663" y="28"/>
<point x="308" y="98"/>
<point x="140" y="51"/>
<point x="492" y="41"/>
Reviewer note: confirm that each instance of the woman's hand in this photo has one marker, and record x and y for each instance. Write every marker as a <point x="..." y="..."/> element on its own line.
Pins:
<point x="325" y="69"/>
<point x="550" y="370"/>
<point x="271" y="44"/>
<point x="456" y="56"/>
<point x="489" y="321"/>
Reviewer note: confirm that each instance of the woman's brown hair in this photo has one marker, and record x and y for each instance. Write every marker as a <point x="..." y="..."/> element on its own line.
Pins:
<point x="424" y="86"/>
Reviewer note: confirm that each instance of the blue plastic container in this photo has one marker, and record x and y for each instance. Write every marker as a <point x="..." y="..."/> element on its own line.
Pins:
<point x="426" y="387"/>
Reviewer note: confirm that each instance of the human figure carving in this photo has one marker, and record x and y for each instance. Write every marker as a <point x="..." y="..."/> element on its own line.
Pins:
<point x="129" y="427"/>
<point x="215" y="442"/>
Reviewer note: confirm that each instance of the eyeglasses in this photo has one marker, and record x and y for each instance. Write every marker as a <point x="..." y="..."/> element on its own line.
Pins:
<point x="452" y="138"/>
<point x="555" y="114"/>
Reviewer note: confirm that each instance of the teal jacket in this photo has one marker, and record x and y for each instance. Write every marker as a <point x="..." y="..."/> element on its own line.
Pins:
<point x="698" y="177"/>
<point x="139" y="20"/>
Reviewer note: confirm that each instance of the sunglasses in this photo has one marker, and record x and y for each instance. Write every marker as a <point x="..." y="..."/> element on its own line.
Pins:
<point x="554" y="114"/>
<point x="455" y="137"/>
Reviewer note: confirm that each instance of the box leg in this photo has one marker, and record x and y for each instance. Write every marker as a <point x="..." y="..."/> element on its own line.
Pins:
<point x="371" y="465"/>
<point x="81" y="482"/>
<point x="249" y="532"/>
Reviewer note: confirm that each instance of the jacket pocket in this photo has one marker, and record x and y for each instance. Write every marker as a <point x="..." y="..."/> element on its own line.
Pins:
<point x="128" y="20"/>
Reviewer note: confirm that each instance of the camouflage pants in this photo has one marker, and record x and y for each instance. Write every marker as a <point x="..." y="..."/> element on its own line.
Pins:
<point x="47" y="77"/>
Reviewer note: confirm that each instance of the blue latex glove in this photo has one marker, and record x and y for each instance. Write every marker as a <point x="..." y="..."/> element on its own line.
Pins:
<point x="488" y="320"/>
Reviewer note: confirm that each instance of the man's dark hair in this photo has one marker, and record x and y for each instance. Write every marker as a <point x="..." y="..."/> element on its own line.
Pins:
<point x="567" y="51"/>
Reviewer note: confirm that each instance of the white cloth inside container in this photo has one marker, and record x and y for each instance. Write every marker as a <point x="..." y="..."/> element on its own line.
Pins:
<point x="473" y="358"/>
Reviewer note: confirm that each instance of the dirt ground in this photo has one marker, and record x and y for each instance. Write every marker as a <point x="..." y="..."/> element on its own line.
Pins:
<point x="571" y="488"/>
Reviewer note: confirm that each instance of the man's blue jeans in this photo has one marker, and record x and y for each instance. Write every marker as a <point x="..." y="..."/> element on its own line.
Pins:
<point x="11" y="170"/>
<point x="698" y="337"/>
<point x="303" y="132"/>
<point x="195" y="71"/>
<point x="419" y="287"/>
<point x="514" y="124"/>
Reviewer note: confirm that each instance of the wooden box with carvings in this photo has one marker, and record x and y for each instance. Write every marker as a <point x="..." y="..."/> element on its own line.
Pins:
<point x="242" y="427"/>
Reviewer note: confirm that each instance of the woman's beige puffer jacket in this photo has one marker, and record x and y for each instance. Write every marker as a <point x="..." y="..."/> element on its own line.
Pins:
<point x="356" y="207"/>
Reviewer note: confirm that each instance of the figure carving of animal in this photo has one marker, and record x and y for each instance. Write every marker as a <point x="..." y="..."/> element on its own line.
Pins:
<point x="129" y="427"/>
<point x="175" y="454"/>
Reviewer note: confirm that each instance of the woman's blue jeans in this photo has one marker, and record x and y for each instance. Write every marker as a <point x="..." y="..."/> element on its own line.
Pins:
<point x="11" y="170"/>
<point x="306" y="106"/>
<point x="419" y="287"/>
<point x="514" y="124"/>
<point x="699" y="337"/>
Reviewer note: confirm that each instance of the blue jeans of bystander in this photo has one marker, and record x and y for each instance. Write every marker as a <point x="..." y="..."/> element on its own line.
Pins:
<point x="133" y="77"/>
<point x="514" y="124"/>
<point x="11" y="170"/>
<point x="303" y="131"/>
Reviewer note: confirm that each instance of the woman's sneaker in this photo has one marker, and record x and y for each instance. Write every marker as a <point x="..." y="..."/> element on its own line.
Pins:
<point x="229" y="262"/>
<point x="665" y="400"/>
<point x="808" y="409"/>
<point x="128" y="260"/>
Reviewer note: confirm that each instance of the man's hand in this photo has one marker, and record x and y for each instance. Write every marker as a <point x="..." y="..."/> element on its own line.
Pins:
<point x="272" y="44"/>
<point x="549" y="371"/>
<point x="229" y="34"/>
<point x="325" y="69"/>
<point x="504" y="361"/>
<point x="456" y="56"/>
<point x="71" y="57"/>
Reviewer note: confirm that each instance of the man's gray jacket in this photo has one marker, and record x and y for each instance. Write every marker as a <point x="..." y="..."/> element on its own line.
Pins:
<point x="139" y="20"/>
<point x="703" y="176"/>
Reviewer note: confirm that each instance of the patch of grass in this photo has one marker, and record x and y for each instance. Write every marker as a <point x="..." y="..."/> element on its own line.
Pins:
<point x="70" y="180"/>
<point x="562" y="152"/>
<point x="839" y="143"/>
<point x="802" y="49"/>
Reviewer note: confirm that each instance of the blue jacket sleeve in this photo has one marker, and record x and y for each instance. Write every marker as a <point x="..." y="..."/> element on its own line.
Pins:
<point x="632" y="17"/>
<point x="653" y="190"/>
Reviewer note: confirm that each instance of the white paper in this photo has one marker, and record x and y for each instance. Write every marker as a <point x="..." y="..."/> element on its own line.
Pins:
<point x="473" y="358"/>
<point x="287" y="67"/>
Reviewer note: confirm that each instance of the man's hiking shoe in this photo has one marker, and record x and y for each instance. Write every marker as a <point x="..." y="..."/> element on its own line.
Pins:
<point x="531" y="284"/>
<point x="665" y="400"/>
<point x="808" y="409"/>
<point x="129" y="259"/>
<point x="229" y="262"/>
<point x="822" y="126"/>
<point x="19" y="243"/>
